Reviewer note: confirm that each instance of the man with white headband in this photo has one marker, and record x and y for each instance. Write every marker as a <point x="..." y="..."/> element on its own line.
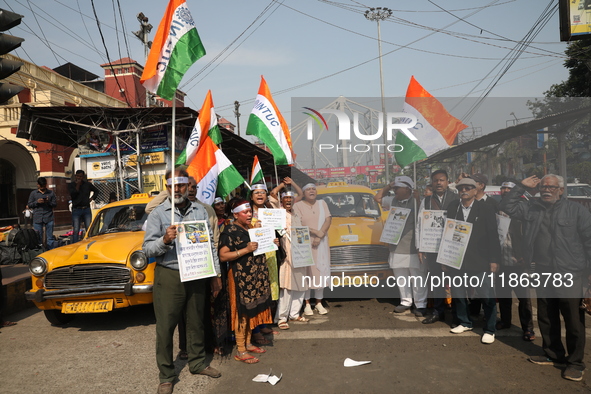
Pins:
<point x="512" y="263"/>
<point x="171" y="296"/>
<point x="403" y="258"/>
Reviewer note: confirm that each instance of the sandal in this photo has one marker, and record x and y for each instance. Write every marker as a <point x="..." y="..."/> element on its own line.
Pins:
<point x="529" y="336"/>
<point x="255" y="349"/>
<point x="259" y="339"/>
<point x="268" y="331"/>
<point x="8" y="323"/>
<point x="283" y="325"/>
<point x="246" y="358"/>
<point x="300" y="319"/>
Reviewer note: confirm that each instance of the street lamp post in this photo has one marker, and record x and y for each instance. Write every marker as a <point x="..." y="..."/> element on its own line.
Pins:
<point x="376" y="15"/>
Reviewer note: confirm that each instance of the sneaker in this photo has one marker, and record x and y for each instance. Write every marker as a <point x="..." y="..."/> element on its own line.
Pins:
<point x="320" y="309"/>
<point x="460" y="329"/>
<point x="420" y="312"/>
<point x="571" y="373"/>
<point x="210" y="371"/>
<point x="487" y="338"/>
<point x="401" y="308"/>
<point x="308" y="310"/>
<point x="545" y="360"/>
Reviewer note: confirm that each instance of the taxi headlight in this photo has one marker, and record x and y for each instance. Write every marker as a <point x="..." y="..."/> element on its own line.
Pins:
<point x="38" y="266"/>
<point x="138" y="260"/>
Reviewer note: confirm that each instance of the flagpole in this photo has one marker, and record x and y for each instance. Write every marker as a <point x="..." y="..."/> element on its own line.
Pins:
<point x="414" y="166"/>
<point x="276" y="176"/>
<point x="172" y="161"/>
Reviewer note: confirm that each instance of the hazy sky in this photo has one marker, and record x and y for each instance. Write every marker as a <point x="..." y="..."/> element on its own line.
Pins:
<point x="457" y="53"/>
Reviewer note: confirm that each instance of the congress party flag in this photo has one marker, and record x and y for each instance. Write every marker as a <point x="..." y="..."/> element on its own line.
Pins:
<point x="175" y="48"/>
<point x="436" y="129"/>
<point x="256" y="174"/>
<point x="267" y="123"/>
<point x="213" y="171"/>
<point x="206" y="125"/>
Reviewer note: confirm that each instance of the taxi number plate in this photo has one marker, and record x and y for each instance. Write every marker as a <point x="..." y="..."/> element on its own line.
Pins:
<point x="88" y="306"/>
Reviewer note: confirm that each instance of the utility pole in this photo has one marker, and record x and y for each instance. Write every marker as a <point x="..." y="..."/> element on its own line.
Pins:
<point x="237" y="113"/>
<point x="142" y="35"/>
<point x="376" y="15"/>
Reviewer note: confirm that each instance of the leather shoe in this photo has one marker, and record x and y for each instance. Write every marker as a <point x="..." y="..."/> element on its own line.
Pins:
<point x="165" y="388"/>
<point x="433" y="318"/>
<point x="210" y="371"/>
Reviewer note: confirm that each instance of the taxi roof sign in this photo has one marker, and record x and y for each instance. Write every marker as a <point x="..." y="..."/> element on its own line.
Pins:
<point x="335" y="184"/>
<point x="140" y="195"/>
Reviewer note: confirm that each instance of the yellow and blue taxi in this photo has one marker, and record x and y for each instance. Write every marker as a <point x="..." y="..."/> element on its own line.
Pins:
<point x="354" y="235"/>
<point x="106" y="270"/>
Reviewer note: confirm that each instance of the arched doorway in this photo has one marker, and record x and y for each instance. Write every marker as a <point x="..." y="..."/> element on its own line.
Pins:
<point x="7" y="190"/>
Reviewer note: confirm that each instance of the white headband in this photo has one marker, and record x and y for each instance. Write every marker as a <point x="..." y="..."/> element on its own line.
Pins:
<point x="259" y="186"/>
<point x="508" y="184"/>
<point x="287" y="194"/>
<point x="241" y="207"/>
<point x="217" y="200"/>
<point x="308" y="186"/>
<point x="178" y="179"/>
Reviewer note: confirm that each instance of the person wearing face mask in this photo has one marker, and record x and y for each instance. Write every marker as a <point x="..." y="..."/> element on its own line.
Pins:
<point x="556" y="242"/>
<point x="403" y="258"/>
<point x="482" y="257"/>
<point x="172" y="297"/>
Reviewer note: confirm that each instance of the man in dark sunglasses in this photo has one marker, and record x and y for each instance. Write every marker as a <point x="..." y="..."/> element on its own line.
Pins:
<point x="557" y="243"/>
<point x="482" y="256"/>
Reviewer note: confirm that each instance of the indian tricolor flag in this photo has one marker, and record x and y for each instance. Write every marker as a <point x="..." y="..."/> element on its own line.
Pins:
<point x="267" y="123"/>
<point x="206" y="125"/>
<point x="213" y="171"/>
<point x="256" y="174"/>
<point x="436" y="129"/>
<point x="175" y="48"/>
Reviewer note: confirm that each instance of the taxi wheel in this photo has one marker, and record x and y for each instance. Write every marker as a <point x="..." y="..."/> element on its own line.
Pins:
<point x="57" y="318"/>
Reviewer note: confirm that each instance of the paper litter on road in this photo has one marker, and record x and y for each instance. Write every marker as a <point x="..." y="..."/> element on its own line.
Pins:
<point x="353" y="363"/>
<point x="262" y="378"/>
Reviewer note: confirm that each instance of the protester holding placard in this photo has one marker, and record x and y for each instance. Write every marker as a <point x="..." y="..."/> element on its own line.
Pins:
<point x="248" y="281"/>
<point x="404" y="259"/>
<point x="316" y="216"/>
<point x="481" y="258"/>
<point x="291" y="278"/>
<point x="512" y="263"/>
<point x="171" y="296"/>
<point x="439" y="201"/>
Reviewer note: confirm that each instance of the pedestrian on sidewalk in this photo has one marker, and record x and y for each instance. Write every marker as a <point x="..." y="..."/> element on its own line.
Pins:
<point x="42" y="201"/>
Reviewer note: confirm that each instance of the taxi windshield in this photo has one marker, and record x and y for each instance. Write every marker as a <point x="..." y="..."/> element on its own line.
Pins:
<point x="351" y="205"/>
<point x="119" y="219"/>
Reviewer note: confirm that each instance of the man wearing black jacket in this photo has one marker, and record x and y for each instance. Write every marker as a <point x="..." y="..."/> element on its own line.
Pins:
<point x="481" y="259"/>
<point x="557" y="242"/>
<point x="80" y="191"/>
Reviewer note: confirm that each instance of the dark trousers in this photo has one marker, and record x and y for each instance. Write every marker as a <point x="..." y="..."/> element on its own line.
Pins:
<point x="438" y="293"/>
<point x="172" y="298"/>
<point x="505" y="296"/>
<point x="549" y="311"/>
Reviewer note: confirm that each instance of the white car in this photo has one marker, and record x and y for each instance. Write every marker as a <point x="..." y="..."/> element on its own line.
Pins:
<point x="578" y="190"/>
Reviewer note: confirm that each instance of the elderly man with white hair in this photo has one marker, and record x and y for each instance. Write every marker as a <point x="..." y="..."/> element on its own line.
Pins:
<point x="557" y="243"/>
<point x="404" y="259"/>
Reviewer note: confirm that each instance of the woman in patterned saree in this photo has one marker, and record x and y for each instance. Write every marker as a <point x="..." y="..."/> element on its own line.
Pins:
<point x="248" y="281"/>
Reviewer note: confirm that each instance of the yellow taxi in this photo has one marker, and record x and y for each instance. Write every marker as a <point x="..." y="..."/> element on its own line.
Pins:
<point x="104" y="271"/>
<point x="355" y="231"/>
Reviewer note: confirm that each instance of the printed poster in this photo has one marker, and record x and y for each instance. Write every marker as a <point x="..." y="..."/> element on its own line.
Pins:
<point x="503" y="223"/>
<point x="265" y="237"/>
<point x="454" y="243"/>
<point x="301" y="247"/>
<point x="194" y="251"/>
<point x="275" y="218"/>
<point x="432" y="226"/>
<point x="394" y="225"/>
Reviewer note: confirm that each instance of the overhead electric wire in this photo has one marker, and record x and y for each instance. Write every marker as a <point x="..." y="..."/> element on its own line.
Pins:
<point x="98" y="23"/>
